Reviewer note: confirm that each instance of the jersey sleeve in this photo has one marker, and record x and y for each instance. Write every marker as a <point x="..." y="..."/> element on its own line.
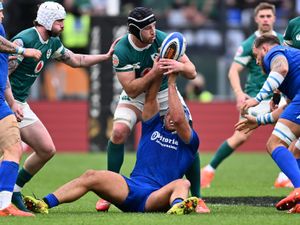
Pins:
<point x="150" y="124"/>
<point x="243" y="54"/>
<point x="59" y="49"/>
<point x="270" y="57"/>
<point x="2" y="31"/>
<point x="194" y="142"/>
<point x="288" y="38"/>
<point x="121" y="57"/>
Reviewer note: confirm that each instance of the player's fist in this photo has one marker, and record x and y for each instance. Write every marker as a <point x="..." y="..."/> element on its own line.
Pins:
<point x="32" y="53"/>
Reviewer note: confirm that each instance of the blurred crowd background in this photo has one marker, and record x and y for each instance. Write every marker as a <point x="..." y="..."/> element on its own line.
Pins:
<point x="213" y="29"/>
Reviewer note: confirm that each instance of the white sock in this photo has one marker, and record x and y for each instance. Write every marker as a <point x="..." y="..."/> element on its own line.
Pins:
<point x="209" y="168"/>
<point x="282" y="177"/>
<point x="17" y="188"/>
<point x="5" y="199"/>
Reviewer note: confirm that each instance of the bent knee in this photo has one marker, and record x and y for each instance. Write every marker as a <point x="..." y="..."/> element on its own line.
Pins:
<point x="89" y="173"/>
<point x="120" y="133"/>
<point x="184" y="183"/>
<point x="90" y="177"/>
<point x="46" y="152"/>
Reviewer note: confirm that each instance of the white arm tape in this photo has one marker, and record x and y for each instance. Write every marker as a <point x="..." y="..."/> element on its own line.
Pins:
<point x="265" y="119"/>
<point x="273" y="82"/>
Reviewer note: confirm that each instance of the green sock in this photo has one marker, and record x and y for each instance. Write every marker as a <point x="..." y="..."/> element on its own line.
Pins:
<point x="193" y="175"/>
<point x="222" y="153"/>
<point x="23" y="177"/>
<point x="115" y="156"/>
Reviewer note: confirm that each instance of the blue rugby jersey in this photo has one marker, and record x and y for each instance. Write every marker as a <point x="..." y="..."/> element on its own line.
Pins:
<point x="4" y="108"/>
<point x="162" y="156"/>
<point x="291" y="83"/>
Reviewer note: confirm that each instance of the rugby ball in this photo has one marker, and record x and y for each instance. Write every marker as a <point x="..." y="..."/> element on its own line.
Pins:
<point x="173" y="46"/>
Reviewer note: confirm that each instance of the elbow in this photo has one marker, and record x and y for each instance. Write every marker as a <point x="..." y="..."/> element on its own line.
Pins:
<point x="193" y="74"/>
<point x="178" y="119"/>
<point x="284" y="70"/>
<point x="132" y="93"/>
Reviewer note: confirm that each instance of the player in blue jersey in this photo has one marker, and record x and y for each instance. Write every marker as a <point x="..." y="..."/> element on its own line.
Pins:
<point x="166" y="151"/>
<point x="10" y="141"/>
<point x="282" y="64"/>
<point x="44" y="36"/>
<point x="133" y="61"/>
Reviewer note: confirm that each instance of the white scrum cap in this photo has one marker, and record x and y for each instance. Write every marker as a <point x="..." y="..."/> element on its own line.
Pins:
<point x="49" y="12"/>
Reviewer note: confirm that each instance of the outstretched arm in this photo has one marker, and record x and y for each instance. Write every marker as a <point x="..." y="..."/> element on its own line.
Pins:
<point x="177" y="112"/>
<point x="13" y="48"/>
<point x="251" y="122"/>
<point x="151" y="106"/>
<point x="82" y="60"/>
<point x="17" y="45"/>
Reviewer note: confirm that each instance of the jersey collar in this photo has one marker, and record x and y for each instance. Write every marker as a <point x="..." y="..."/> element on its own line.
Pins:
<point x="136" y="47"/>
<point x="258" y="34"/>
<point x="40" y="37"/>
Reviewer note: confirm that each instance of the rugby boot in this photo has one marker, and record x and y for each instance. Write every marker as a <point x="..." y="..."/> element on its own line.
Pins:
<point x="187" y="206"/>
<point x="283" y="183"/>
<point x="36" y="205"/>
<point x="206" y="177"/>
<point x="295" y="209"/>
<point x="102" y="205"/>
<point x="202" y="207"/>
<point x="12" y="210"/>
<point x="17" y="200"/>
<point x="290" y="201"/>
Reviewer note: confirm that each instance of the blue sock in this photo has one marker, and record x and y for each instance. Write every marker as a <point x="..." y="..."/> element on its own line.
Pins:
<point x="8" y="175"/>
<point x="288" y="164"/>
<point x="51" y="200"/>
<point x="176" y="200"/>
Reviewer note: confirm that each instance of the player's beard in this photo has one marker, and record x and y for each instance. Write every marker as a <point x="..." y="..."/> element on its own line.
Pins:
<point x="52" y="34"/>
<point x="262" y="65"/>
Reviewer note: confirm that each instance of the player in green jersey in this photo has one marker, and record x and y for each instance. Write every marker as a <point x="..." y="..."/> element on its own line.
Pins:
<point x="133" y="62"/>
<point x="292" y="33"/>
<point x="265" y="18"/>
<point x="49" y="24"/>
<point x="10" y="140"/>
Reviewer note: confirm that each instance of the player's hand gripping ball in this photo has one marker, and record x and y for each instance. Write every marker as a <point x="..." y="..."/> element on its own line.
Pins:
<point x="173" y="46"/>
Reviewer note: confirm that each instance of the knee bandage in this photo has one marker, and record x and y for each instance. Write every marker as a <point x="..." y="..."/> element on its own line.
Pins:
<point x="284" y="133"/>
<point x="126" y="116"/>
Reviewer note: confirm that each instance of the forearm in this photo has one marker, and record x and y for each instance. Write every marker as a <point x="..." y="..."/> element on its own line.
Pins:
<point x="279" y="69"/>
<point x="9" y="47"/>
<point x="8" y="94"/>
<point x="175" y="105"/>
<point x="139" y="85"/>
<point x="271" y="84"/>
<point x="269" y="118"/>
<point x="189" y="70"/>
<point x="151" y="106"/>
<point x="80" y="60"/>
<point x="235" y="82"/>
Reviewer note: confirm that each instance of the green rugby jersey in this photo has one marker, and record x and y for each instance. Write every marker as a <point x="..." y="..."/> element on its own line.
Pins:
<point x="244" y="56"/>
<point x="128" y="57"/>
<point x="292" y="33"/>
<point x="28" y="69"/>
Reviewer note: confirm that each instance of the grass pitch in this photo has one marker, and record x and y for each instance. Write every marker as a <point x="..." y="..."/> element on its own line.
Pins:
<point x="241" y="193"/>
